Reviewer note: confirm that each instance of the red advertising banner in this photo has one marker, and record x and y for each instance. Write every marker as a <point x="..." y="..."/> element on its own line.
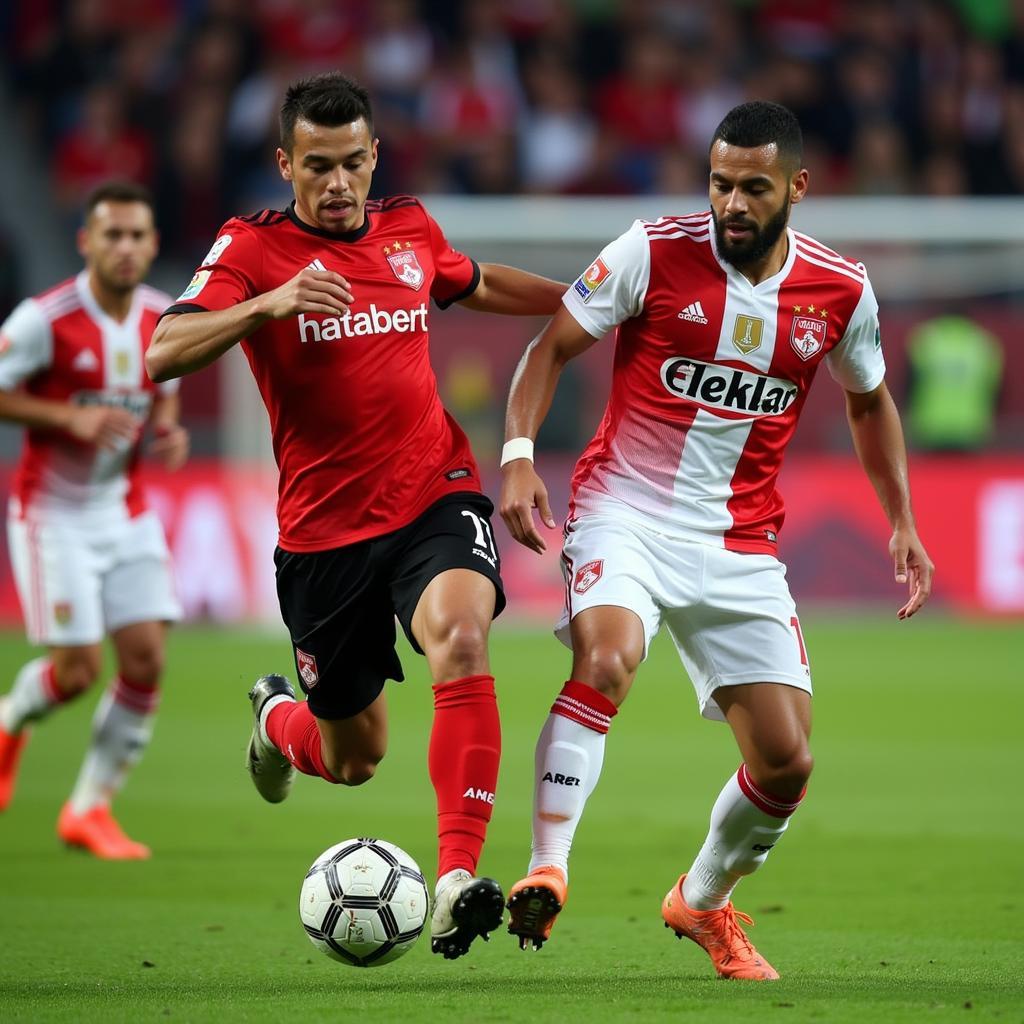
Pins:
<point x="221" y="525"/>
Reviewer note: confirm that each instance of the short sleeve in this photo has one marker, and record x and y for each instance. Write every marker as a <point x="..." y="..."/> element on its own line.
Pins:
<point x="228" y="275"/>
<point x="856" y="363"/>
<point x="456" y="276"/>
<point x="26" y="344"/>
<point x="613" y="287"/>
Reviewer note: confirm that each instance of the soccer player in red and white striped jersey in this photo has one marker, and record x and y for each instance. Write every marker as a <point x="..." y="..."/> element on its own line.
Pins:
<point x="89" y="557"/>
<point x="722" y="319"/>
<point x="380" y="505"/>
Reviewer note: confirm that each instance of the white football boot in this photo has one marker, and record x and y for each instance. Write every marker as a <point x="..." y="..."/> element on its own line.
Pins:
<point x="271" y="772"/>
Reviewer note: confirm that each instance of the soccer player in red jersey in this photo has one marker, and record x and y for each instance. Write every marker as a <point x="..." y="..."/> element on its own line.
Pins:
<point x="380" y="505"/>
<point x="722" y="319"/>
<point x="88" y="556"/>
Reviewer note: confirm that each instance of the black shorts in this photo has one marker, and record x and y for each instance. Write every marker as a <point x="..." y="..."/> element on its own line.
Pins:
<point x="340" y="605"/>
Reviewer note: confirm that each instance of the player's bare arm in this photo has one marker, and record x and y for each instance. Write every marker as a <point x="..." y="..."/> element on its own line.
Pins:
<point x="514" y="292"/>
<point x="186" y="342"/>
<point x="533" y="388"/>
<point x="105" y="426"/>
<point x="170" y="444"/>
<point x="878" y="439"/>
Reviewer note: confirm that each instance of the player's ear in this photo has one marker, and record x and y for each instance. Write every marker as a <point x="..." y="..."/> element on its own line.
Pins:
<point x="373" y="155"/>
<point x="798" y="185"/>
<point x="284" y="164"/>
<point x="82" y="242"/>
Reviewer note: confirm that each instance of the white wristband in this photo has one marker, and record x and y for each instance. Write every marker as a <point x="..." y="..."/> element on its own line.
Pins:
<point x="517" y="448"/>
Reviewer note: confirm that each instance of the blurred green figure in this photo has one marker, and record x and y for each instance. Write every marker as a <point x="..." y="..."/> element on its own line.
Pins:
<point x="955" y="374"/>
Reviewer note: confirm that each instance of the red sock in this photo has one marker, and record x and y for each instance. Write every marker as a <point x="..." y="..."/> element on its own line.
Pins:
<point x="465" y="748"/>
<point x="293" y="730"/>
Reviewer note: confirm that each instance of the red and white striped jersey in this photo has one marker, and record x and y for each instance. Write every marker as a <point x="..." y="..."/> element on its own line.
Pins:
<point x="61" y="345"/>
<point x="710" y="375"/>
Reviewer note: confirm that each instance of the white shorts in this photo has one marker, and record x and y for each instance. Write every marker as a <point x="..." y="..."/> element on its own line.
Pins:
<point x="79" y="577"/>
<point x="731" y="615"/>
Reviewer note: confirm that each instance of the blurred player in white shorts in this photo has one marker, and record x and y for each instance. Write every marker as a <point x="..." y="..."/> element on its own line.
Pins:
<point x="88" y="557"/>
<point x="721" y="320"/>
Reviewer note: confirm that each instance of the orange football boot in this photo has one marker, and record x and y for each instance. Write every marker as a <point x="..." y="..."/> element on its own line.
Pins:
<point x="11" y="746"/>
<point x="720" y="935"/>
<point x="534" y="903"/>
<point x="98" y="832"/>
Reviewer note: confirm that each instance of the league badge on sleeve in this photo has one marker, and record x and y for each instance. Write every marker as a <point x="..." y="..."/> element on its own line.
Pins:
<point x="404" y="263"/>
<point x="195" y="286"/>
<point x="591" y="279"/>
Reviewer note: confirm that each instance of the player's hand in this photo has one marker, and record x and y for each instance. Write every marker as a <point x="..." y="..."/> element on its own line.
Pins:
<point x="913" y="567"/>
<point x="309" y="291"/>
<point x="522" y="491"/>
<point x="104" y="426"/>
<point x="170" y="445"/>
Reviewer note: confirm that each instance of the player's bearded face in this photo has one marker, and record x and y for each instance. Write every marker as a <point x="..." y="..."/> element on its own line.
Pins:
<point x="756" y="240"/>
<point x="119" y="243"/>
<point x="330" y="169"/>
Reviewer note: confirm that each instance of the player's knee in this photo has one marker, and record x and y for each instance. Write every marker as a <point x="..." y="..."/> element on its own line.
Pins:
<point x="607" y="670"/>
<point x="76" y="676"/>
<point x="144" y="666"/>
<point x="785" y="772"/>
<point x="464" y="648"/>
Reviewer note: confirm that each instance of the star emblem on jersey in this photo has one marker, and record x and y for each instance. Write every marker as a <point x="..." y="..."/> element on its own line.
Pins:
<point x="587" y="575"/>
<point x="404" y="263"/>
<point x="747" y="332"/>
<point x="808" y="335"/>
<point x="306" y="664"/>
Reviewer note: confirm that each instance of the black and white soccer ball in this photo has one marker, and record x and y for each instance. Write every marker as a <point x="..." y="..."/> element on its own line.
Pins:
<point x="364" y="902"/>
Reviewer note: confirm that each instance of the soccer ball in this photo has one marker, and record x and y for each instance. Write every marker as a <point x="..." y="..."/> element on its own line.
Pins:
<point x="364" y="902"/>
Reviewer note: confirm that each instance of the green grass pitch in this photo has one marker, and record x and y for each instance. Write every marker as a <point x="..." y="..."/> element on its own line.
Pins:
<point x="898" y="894"/>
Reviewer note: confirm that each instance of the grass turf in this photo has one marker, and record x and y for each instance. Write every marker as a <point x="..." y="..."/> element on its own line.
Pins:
<point x="897" y="895"/>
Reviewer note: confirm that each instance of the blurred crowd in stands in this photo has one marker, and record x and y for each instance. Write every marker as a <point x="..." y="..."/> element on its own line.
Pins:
<point x="517" y="96"/>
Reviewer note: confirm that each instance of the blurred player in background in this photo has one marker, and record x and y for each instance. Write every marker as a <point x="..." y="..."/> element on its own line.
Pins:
<point x="89" y="558"/>
<point x="723" y="317"/>
<point x="380" y="506"/>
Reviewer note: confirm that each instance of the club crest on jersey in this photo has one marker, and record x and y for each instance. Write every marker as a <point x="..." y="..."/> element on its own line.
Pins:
<point x="591" y="279"/>
<point x="747" y="332"/>
<point x="307" y="668"/>
<point x="404" y="263"/>
<point x="62" y="612"/>
<point x="807" y="336"/>
<point x="587" y="575"/>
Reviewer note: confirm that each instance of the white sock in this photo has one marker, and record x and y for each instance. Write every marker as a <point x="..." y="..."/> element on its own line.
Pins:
<point x="567" y="765"/>
<point x="32" y="697"/>
<point x="271" y="703"/>
<point x="121" y="729"/>
<point x="746" y="822"/>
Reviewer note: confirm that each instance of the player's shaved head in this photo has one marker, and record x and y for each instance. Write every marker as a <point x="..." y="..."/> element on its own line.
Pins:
<point x="329" y="99"/>
<point x="760" y="123"/>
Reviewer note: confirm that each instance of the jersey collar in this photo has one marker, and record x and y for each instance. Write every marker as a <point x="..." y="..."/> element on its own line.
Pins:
<point x="347" y="236"/>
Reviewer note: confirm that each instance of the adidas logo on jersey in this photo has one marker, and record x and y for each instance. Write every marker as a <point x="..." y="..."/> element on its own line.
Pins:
<point x="722" y="387"/>
<point x="85" y="361"/>
<point x="316" y="265"/>
<point x="694" y="312"/>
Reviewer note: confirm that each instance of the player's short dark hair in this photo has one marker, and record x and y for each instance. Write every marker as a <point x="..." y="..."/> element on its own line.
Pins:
<point x="329" y="99"/>
<point x="117" y="192"/>
<point x="760" y="123"/>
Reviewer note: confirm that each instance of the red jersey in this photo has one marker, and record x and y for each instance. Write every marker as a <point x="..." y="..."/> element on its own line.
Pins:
<point x="711" y="373"/>
<point x="62" y="346"/>
<point x="362" y="442"/>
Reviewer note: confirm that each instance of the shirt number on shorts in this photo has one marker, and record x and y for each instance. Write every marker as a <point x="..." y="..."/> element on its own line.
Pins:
<point x="484" y="539"/>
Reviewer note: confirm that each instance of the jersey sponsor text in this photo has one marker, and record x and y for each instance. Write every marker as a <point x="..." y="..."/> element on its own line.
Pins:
<point x="724" y="387"/>
<point x="356" y="325"/>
